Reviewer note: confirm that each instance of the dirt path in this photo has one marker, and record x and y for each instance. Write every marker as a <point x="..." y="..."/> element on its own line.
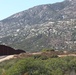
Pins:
<point x="67" y="55"/>
<point x="36" y="53"/>
<point x="3" y="58"/>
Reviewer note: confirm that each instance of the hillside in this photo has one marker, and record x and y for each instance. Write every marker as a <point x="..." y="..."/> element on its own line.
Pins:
<point x="43" y="26"/>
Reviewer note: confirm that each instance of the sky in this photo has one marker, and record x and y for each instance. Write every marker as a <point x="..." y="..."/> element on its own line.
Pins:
<point x="10" y="7"/>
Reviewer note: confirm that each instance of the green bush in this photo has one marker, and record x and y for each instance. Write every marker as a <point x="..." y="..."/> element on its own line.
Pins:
<point x="31" y="66"/>
<point x="47" y="50"/>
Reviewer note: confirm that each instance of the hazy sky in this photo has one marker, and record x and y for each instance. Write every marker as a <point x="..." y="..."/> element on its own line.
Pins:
<point x="10" y="7"/>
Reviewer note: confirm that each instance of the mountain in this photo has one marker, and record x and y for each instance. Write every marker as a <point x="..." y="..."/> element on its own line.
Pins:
<point x="43" y="26"/>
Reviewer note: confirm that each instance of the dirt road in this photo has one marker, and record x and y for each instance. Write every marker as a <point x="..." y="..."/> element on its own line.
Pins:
<point x="3" y="58"/>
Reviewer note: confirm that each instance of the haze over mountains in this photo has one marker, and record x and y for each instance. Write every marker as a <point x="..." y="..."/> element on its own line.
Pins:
<point x="43" y="26"/>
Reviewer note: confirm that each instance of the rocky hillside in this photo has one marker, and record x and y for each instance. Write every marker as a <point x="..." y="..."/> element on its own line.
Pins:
<point x="43" y="26"/>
